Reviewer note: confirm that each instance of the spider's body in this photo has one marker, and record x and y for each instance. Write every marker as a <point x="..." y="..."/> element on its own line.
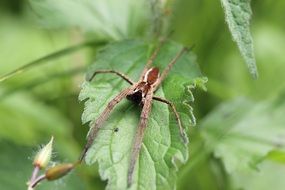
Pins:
<point x="141" y="93"/>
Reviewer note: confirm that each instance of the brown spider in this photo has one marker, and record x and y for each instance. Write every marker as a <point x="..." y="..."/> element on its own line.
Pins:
<point x="141" y="93"/>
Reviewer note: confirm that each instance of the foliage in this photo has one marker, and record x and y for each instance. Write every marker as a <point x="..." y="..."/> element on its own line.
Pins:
<point x="242" y="133"/>
<point x="109" y="19"/>
<point x="237" y="13"/>
<point x="238" y="142"/>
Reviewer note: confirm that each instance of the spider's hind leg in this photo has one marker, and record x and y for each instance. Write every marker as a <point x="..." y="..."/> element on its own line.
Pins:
<point x="172" y="106"/>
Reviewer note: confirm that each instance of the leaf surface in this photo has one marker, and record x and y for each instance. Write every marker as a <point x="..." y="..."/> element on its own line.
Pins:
<point x="32" y="122"/>
<point x="109" y="19"/>
<point x="162" y="147"/>
<point x="238" y="13"/>
<point x="243" y="133"/>
<point x="270" y="175"/>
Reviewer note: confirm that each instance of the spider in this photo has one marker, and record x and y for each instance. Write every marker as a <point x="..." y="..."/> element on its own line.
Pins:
<point x="142" y="94"/>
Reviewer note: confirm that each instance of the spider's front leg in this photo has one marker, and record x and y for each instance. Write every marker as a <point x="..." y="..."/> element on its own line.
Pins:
<point x="123" y="76"/>
<point x="172" y="106"/>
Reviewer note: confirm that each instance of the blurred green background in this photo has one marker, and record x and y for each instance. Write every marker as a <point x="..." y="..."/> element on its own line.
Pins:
<point x="240" y="137"/>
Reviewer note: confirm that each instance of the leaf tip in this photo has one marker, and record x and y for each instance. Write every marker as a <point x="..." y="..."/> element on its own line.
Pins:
<point x="254" y="74"/>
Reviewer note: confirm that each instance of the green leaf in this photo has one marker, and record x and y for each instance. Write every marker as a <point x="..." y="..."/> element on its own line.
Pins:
<point x="109" y="19"/>
<point x="238" y="13"/>
<point x="162" y="148"/>
<point x="270" y="175"/>
<point x="26" y="121"/>
<point x="241" y="133"/>
<point x="277" y="156"/>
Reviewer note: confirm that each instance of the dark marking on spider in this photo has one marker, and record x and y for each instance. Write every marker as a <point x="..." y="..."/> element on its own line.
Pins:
<point x="142" y="94"/>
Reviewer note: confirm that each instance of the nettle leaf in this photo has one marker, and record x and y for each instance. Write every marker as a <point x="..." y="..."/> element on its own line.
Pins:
<point x="110" y="19"/>
<point x="268" y="176"/>
<point x="243" y="133"/>
<point x="162" y="148"/>
<point x="238" y="13"/>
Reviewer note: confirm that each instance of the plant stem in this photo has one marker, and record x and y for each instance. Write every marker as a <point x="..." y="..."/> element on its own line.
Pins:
<point x="36" y="181"/>
<point x="156" y="10"/>
<point x="49" y="57"/>
<point x="34" y="174"/>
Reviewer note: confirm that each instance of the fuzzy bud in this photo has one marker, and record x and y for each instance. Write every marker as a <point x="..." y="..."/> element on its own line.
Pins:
<point x="44" y="155"/>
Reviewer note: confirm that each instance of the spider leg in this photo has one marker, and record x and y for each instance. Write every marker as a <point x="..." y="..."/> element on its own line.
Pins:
<point x="139" y="135"/>
<point x="123" y="76"/>
<point x="170" y="65"/>
<point x="152" y="57"/>
<point x="100" y="120"/>
<point x="172" y="106"/>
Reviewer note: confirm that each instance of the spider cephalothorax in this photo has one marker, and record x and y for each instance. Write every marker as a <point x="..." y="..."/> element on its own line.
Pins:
<point x="139" y="94"/>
